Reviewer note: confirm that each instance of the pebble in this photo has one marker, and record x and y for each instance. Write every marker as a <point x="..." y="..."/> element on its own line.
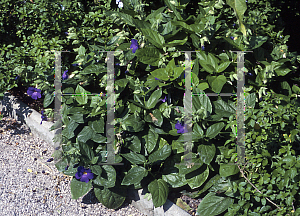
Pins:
<point x="21" y="183"/>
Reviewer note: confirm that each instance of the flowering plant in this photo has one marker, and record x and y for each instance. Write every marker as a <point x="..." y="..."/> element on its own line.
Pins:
<point x="149" y="108"/>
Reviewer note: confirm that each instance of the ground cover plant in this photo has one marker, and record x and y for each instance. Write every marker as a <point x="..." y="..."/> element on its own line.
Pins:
<point x="149" y="40"/>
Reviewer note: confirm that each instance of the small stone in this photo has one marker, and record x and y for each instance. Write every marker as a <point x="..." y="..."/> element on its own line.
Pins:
<point x="54" y="177"/>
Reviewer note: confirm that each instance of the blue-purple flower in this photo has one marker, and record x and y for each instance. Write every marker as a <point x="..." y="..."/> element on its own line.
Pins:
<point x="66" y="33"/>
<point x="202" y="47"/>
<point x="126" y="71"/>
<point x="134" y="45"/>
<point x="17" y="77"/>
<point x="44" y="118"/>
<point x="75" y="65"/>
<point x="34" y="93"/>
<point x="232" y="38"/>
<point x="66" y="167"/>
<point x="65" y="75"/>
<point x="156" y="78"/>
<point x="84" y="175"/>
<point x="181" y="128"/>
<point x="164" y="100"/>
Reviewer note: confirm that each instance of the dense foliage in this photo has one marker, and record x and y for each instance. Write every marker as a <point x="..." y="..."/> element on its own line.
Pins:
<point x="149" y="86"/>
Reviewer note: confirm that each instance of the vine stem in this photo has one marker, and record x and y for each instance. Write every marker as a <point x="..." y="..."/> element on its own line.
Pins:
<point x="256" y="188"/>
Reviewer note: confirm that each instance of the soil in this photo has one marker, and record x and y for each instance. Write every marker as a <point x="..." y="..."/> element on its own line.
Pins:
<point x="20" y="93"/>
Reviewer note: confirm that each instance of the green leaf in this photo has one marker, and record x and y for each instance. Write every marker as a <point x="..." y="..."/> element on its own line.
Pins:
<point x="155" y="38"/>
<point x="81" y="95"/>
<point x="296" y="89"/>
<point x="77" y="118"/>
<point x="214" y="130"/>
<point x="81" y="51"/>
<point x="160" y="73"/>
<point x="250" y="100"/>
<point x="198" y="177"/>
<point x="214" y="205"/>
<point x="223" y="108"/>
<point x="228" y="170"/>
<point x="111" y="198"/>
<point x="86" y="150"/>
<point x="183" y="169"/>
<point x="126" y="18"/>
<point x="68" y="131"/>
<point x="223" y="66"/>
<point x="78" y="188"/>
<point x="159" y="191"/>
<point x="282" y="70"/>
<point x="109" y="178"/>
<point x="153" y="14"/>
<point x="148" y="55"/>
<point x="134" y="175"/>
<point x="239" y="7"/>
<point x="160" y="154"/>
<point x="98" y="125"/>
<point x="48" y="99"/>
<point x="151" y="140"/>
<point x="209" y="184"/>
<point x="201" y="100"/>
<point x="154" y="98"/>
<point x="257" y="41"/>
<point x="203" y="86"/>
<point x="177" y="42"/>
<point x="171" y="176"/>
<point x="98" y="138"/>
<point x="173" y="8"/>
<point x="96" y="169"/>
<point x="85" y="134"/>
<point x="207" y="152"/>
<point x="217" y="83"/>
<point x="133" y="124"/>
<point x="134" y="158"/>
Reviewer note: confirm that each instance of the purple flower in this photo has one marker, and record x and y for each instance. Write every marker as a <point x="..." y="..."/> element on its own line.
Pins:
<point x="34" y="93"/>
<point x="65" y="75"/>
<point x="181" y="128"/>
<point x="126" y="71"/>
<point x="66" y="33"/>
<point x="250" y="74"/>
<point x="164" y="100"/>
<point x="75" y="65"/>
<point x="118" y="64"/>
<point x="202" y="47"/>
<point x="134" y="45"/>
<point x="50" y="159"/>
<point x="17" y="77"/>
<point x="44" y="118"/>
<point x="67" y="167"/>
<point x="156" y="78"/>
<point x="233" y="25"/>
<point x="232" y="38"/>
<point x="84" y="175"/>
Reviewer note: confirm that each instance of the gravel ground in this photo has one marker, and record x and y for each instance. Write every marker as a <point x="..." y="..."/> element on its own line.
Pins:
<point x="30" y="186"/>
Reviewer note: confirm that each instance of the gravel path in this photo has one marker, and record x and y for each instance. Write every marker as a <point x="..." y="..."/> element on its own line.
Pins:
<point x="29" y="185"/>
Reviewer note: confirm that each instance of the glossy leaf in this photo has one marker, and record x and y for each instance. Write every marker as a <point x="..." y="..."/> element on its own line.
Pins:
<point x="159" y="191"/>
<point x="134" y="175"/>
<point x="111" y="198"/>
<point x="214" y="205"/>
